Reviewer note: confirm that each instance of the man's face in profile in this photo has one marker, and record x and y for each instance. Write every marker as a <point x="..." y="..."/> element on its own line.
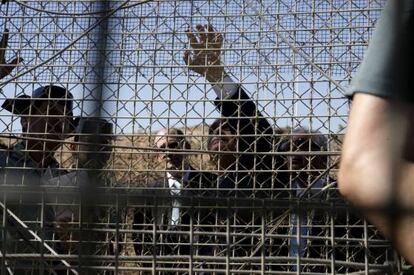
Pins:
<point x="302" y="162"/>
<point x="91" y="152"/>
<point x="171" y="139"/>
<point x="222" y="140"/>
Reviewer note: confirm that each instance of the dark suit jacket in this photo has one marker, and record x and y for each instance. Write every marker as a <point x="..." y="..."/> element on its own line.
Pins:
<point x="255" y="137"/>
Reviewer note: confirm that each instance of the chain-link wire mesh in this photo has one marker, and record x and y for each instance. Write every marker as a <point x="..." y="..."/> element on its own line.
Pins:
<point x="160" y="169"/>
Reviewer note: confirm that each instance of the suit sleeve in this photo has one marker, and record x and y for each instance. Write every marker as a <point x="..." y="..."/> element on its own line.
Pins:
<point x="245" y="120"/>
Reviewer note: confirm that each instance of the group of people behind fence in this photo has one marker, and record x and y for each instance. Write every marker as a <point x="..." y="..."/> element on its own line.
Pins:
<point x="201" y="213"/>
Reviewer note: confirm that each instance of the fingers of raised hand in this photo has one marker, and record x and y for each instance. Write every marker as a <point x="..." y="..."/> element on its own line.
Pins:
<point x="187" y="57"/>
<point x="206" y="38"/>
<point x="206" y="48"/>
<point x="6" y="69"/>
<point x="193" y="39"/>
<point x="203" y="35"/>
<point x="218" y="39"/>
<point x="214" y="37"/>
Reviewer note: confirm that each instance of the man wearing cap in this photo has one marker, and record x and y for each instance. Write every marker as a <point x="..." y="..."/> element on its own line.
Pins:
<point x="46" y="119"/>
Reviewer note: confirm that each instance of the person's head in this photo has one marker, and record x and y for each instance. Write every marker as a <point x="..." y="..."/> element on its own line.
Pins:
<point x="222" y="138"/>
<point x="303" y="140"/>
<point x="93" y="137"/>
<point x="172" y="138"/>
<point x="47" y="114"/>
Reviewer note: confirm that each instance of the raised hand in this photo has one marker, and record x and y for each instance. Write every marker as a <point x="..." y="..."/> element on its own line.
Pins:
<point x="204" y="55"/>
<point x="6" y="68"/>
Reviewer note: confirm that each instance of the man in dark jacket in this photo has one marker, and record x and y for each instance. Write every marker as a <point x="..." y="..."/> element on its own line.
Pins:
<point x="240" y="142"/>
<point x="173" y="213"/>
<point x="46" y="119"/>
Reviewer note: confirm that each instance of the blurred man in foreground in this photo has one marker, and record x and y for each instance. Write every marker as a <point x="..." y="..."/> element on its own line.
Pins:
<point x="377" y="167"/>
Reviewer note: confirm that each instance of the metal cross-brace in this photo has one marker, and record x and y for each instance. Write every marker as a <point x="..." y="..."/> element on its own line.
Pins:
<point x="26" y="233"/>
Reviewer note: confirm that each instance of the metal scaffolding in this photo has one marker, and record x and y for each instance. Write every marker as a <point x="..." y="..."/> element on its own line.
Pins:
<point x="158" y="177"/>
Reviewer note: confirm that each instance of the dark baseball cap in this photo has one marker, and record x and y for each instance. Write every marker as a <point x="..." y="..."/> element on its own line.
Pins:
<point x="22" y="104"/>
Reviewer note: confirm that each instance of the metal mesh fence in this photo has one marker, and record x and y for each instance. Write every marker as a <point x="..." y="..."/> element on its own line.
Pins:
<point x="155" y="168"/>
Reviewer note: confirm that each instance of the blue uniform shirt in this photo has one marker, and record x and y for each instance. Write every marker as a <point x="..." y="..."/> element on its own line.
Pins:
<point x="18" y="169"/>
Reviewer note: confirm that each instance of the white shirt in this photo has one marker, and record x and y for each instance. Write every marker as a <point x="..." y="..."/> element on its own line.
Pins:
<point x="227" y="88"/>
<point x="175" y="190"/>
<point x="223" y="90"/>
<point x="298" y="247"/>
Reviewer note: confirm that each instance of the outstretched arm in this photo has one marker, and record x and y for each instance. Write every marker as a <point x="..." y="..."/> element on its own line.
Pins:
<point x="6" y="68"/>
<point x="253" y="130"/>
<point x="204" y="58"/>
